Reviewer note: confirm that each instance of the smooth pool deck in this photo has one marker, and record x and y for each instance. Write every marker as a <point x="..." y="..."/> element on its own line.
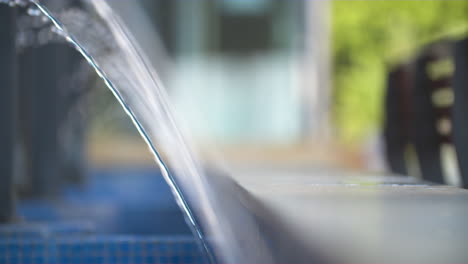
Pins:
<point x="331" y="215"/>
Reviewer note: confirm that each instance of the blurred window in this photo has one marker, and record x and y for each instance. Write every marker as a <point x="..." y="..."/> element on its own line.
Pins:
<point x="245" y="34"/>
<point x="246" y="26"/>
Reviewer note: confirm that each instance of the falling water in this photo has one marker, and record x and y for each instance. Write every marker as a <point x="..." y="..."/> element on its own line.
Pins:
<point x="61" y="30"/>
<point x="211" y="206"/>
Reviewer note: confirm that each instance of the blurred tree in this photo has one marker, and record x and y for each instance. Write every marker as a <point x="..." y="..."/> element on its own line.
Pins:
<point x="370" y="36"/>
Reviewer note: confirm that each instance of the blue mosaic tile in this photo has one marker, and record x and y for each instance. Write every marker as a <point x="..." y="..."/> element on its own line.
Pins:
<point x="106" y="250"/>
<point x="38" y="230"/>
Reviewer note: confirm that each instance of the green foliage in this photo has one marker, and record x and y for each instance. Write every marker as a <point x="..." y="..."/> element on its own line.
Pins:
<point x="371" y="35"/>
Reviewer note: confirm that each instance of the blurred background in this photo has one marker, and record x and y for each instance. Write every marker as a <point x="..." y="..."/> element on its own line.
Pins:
<point x="360" y="85"/>
<point x="242" y="75"/>
<point x="284" y="80"/>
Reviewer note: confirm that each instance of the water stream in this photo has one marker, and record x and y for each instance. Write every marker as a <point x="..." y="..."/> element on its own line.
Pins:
<point x="212" y="207"/>
<point x="61" y="30"/>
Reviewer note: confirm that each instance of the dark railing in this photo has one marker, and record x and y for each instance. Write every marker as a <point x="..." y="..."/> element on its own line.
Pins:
<point x="425" y="108"/>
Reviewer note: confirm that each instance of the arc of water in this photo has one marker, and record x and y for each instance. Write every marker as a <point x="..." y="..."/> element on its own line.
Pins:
<point x="196" y="228"/>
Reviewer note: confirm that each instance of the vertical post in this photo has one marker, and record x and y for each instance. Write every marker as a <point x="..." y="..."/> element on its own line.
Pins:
<point x="52" y="61"/>
<point x="7" y="109"/>
<point x="44" y="140"/>
<point x="423" y="133"/>
<point x="395" y="134"/>
<point x="26" y="85"/>
<point x="460" y="108"/>
<point x="44" y="156"/>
